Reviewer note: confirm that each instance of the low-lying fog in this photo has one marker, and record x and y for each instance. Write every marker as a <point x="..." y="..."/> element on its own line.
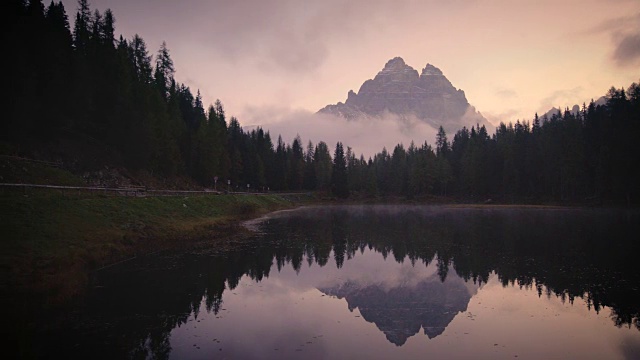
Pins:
<point x="365" y="136"/>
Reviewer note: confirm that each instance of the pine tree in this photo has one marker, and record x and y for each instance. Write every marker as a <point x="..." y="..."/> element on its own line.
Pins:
<point x="140" y="59"/>
<point x="442" y="145"/>
<point x="234" y="146"/>
<point x="309" y="168"/>
<point x="322" y="164"/>
<point x="81" y="32"/>
<point x="399" y="170"/>
<point x="280" y="170"/>
<point x="164" y="70"/>
<point x="339" y="177"/>
<point x="296" y="164"/>
<point x="108" y="29"/>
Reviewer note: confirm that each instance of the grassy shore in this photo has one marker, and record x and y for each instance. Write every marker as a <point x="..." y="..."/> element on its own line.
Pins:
<point x="51" y="242"/>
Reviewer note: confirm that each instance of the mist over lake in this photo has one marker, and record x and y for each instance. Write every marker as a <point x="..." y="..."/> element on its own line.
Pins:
<point x="376" y="282"/>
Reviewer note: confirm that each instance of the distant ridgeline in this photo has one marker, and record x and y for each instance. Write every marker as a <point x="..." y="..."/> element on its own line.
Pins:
<point x="399" y="90"/>
<point x="89" y="100"/>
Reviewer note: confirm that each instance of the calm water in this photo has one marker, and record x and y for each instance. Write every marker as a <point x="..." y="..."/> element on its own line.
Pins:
<point x="375" y="282"/>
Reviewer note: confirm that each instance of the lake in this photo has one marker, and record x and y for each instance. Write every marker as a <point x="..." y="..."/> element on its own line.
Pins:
<point x="373" y="282"/>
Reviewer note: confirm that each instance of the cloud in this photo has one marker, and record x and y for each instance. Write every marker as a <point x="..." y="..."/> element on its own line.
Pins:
<point x="285" y="36"/>
<point x="627" y="51"/>
<point x="622" y="23"/>
<point x="561" y="99"/>
<point x="506" y="93"/>
<point x="288" y="35"/>
<point x="277" y="35"/>
<point x="503" y="117"/>
<point x="625" y="35"/>
<point x="366" y="136"/>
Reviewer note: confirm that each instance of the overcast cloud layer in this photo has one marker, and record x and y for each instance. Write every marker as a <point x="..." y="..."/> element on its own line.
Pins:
<point x="512" y="58"/>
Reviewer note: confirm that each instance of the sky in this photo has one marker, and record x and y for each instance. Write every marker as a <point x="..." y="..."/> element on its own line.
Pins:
<point x="273" y="63"/>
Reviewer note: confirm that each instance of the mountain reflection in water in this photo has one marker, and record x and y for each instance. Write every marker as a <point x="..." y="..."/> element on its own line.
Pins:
<point x="403" y="268"/>
<point x="400" y="312"/>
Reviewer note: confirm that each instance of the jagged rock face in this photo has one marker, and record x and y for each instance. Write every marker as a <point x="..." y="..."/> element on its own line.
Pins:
<point x="393" y="89"/>
<point x="399" y="89"/>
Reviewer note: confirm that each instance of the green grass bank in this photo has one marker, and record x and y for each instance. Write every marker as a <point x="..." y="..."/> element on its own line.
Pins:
<point x="51" y="242"/>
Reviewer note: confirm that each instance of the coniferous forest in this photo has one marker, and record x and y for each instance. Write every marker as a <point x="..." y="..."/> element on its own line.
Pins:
<point x="90" y="99"/>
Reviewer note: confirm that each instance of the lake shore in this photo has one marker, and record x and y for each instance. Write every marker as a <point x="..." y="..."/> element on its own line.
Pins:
<point x="52" y="242"/>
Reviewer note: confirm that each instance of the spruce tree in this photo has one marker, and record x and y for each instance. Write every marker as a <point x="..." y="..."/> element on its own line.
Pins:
<point x="339" y="177"/>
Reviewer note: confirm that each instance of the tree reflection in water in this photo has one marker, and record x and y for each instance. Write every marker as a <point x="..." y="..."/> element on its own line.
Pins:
<point x="566" y="253"/>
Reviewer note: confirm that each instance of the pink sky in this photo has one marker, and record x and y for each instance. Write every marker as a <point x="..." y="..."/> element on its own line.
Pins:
<point x="512" y="58"/>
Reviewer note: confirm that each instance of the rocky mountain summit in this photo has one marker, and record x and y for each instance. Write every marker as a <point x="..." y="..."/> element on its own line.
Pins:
<point x="399" y="89"/>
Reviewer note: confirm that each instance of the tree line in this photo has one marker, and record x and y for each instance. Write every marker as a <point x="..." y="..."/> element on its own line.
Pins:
<point x="95" y="99"/>
<point x="585" y="156"/>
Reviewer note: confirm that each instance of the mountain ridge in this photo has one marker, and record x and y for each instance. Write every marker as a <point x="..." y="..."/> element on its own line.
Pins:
<point x="575" y="109"/>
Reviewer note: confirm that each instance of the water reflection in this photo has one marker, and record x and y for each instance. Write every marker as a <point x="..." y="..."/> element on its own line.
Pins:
<point x="316" y="279"/>
<point x="401" y="310"/>
<point x="563" y="252"/>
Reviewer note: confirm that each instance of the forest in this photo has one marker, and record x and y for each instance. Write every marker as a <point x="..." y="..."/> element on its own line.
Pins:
<point x="88" y="99"/>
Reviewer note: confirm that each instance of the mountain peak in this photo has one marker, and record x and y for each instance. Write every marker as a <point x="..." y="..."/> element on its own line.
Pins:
<point x="399" y="89"/>
<point x="431" y="70"/>
<point x="395" y="62"/>
<point x="397" y="69"/>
